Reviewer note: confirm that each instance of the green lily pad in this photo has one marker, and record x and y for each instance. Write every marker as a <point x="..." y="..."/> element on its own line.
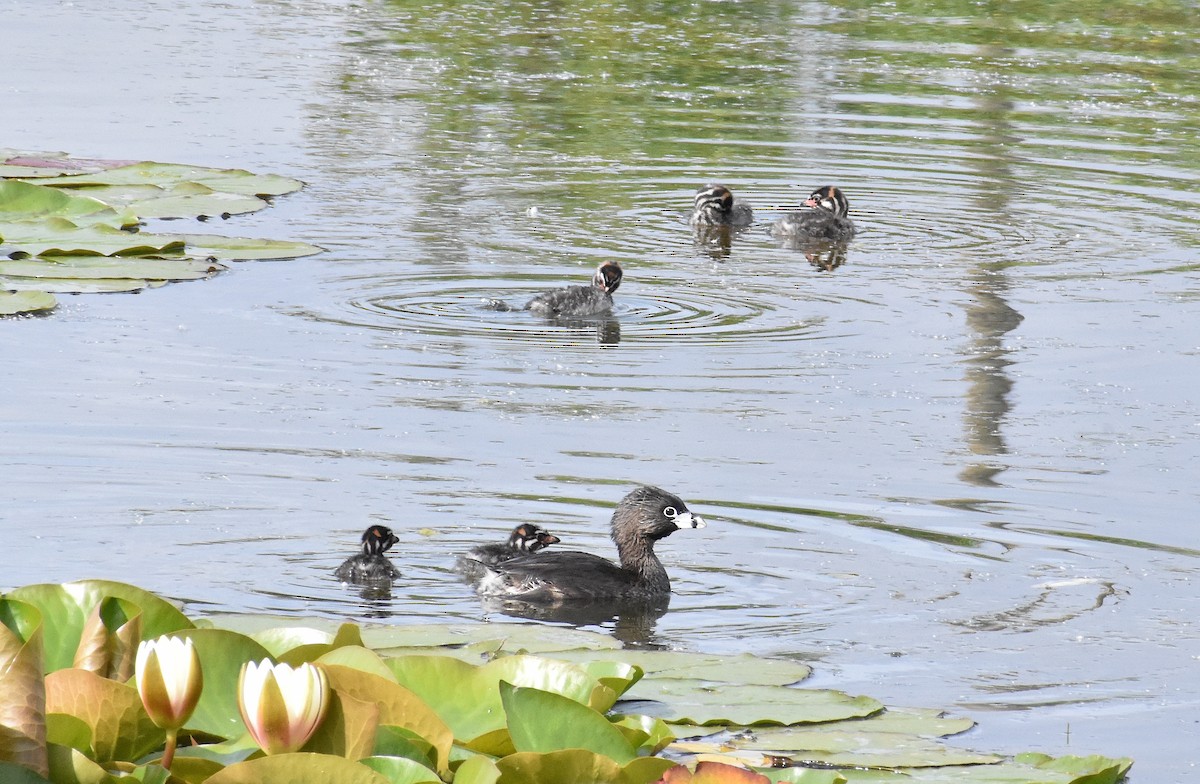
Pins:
<point x="479" y="769"/>
<point x="222" y="654"/>
<point x="743" y="669"/>
<point x="12" y="773"/>
<point x="21" y="201"/>
<point x="60" y="237"/>
<point x="1024" y="769"/>
<point x="699" y="702"/>
<point x="398" y="706"/>
<point x="50" y="286"/>
<point x="846" y="747"/>
<point x="65" y="608"/>
<point x="281" y="640"/>
<point x="541" y="721"/>
<point x="245" y="248"/>
<point x="509" y="637"/>
<point x="400" y="770"/>
<point x="299" y="768"/>
<point x="577" y="765"/>
<point x="71" y="766"/>
<point x="13" y="303"/>
<point x="89" y="268"/>
<point x="167" y="174"/>
<point x="467" y="697"/>
<point x="181" y="200"/>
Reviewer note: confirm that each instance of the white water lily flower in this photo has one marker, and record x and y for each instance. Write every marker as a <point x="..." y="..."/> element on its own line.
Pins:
<point x="282" y="706"/>
<point x="169" y="680"/>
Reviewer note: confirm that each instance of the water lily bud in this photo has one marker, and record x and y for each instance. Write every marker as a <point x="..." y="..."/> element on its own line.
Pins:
<point x="169" y="680"/>
<point x="282" y="706"/>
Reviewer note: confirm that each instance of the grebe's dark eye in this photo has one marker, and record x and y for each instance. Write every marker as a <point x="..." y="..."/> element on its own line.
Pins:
<point x="670" y="512"/>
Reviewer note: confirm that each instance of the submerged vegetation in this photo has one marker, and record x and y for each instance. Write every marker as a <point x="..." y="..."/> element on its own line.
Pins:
<point x="236" y="700"/>
<point x="71" y="226"/>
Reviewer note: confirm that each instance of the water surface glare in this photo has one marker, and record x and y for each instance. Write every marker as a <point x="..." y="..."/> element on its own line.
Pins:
<point x="951" y="465"/>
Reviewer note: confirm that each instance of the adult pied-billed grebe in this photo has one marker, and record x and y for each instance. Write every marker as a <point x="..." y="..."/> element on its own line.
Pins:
<point x="823" y="217"/>
<point x="370" y="566"/>
<point x="644" y="516"/>
<point x="576" y="301"/>
<point x="525" y="539"/>
<point x="714" y="206"/>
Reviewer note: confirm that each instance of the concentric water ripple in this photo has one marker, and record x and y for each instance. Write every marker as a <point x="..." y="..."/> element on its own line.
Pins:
<point x="659" y="313"/>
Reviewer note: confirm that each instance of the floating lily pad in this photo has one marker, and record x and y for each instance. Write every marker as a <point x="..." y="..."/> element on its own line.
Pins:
<point x="24" y="301"/>
<point x="65" y="608"/>
<point x="742" y="669"/>
<point x="21" y="201"/>
<point x="298" y="768"/>
<point x="100" y="267"/>
<point x="1024" y="769"/>
<point x="514" y="637"/>
<point x="244" y="248"/>
<point x="467" y="697"/>
<point x="59" y="237"/>
<point x="48" y="286"/>
<point x="698" y="702"/>
<point x="541" y="721"/>
<point x="164" y="174"/>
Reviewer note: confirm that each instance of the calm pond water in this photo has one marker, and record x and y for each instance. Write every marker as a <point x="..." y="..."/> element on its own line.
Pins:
<point x="958" y="470"/>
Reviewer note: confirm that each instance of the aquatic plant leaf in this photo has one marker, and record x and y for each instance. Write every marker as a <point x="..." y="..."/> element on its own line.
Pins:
<point x="73" y="766"/>
<point x="185" y="199"/>
<point x="66" y="607"/>
<point x="98" y="267"/>
<point x="167" y="174"/>
<point x="347" y="636"/>
<point x="527" y="767"/>
<point x="510" y="638"/>
<point x="805" y="776"/>
<point x="12" y="773"/>
<point x="50" y="286"/>
<point x="650" y="735"/>
<point x="400" y="770"/>
<point x="222" y="654"/>
<point x="541" y="721"/>
<point x="347" y="729"/>
<point x="616" y="675"/>
<point x="1023" y="769"/>
<point x="358" y="658"/>
<point x="398" y="706"/>
<point x="22" y="691"/>
<point x="109" y="640"/>
<point x="20" y="201"/>
<point x="743" y="669"/>
<point x="699" y="702"/>
<point x="477" y="770"/>
<point x="61" y="237"/>
<point x="245" y="248"/>
<point x="850" y="748"/>
<point x="279" y="641"/>
<point x="392" y="741"/>
<point x="712" y="773"/>
<point x="31" y="301"/>
<point x="64" y="729"/>
<point x="113" y="711"/>
<point x="298" y="768"/>
<point x="467" y="697"/>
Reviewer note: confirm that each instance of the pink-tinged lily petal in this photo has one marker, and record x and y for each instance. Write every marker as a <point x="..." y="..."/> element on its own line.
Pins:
<point x="282" y="706"/>
<point x="169" y="680"/>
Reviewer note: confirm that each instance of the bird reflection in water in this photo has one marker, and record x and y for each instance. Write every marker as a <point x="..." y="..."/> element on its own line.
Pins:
<point x="632" y="622"/>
